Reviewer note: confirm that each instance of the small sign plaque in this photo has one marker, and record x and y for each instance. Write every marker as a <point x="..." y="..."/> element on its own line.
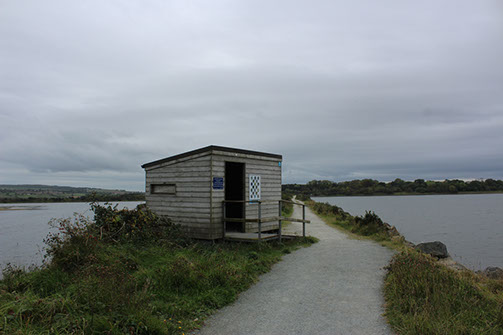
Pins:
<point x="218" y="183"/>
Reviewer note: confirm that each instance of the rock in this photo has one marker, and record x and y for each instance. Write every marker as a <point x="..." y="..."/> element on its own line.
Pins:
<point x="397" y="238"/>
<point x="493" y="272"/>
<point x="393" y="232"/>
<point x="436" y="249"/>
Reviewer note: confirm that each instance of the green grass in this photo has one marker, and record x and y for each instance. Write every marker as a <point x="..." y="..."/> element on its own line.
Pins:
<point x="286" y="208"/>
<point x="143" y="281"/>
<point x="424" y="297"/>
<point x="347" y="226"/>
<point x="368" y="227"/>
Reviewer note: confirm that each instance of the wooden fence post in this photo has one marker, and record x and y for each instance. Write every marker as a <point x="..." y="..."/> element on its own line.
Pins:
<point x="279" y="212"/>
<point x="304" y="221"/>
<point x="259" y="221"/>
<point x="223" y="218"/>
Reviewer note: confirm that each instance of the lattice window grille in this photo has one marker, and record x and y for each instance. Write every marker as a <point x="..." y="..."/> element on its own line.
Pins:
<point x="254" y="187"/>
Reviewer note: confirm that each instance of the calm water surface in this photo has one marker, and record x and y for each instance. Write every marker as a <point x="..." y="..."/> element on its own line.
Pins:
<point x="470" y="225"/>
<point x="24" y="226"/>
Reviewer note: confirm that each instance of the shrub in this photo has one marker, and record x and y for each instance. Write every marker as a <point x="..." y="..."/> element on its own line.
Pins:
<point x="137" y="225"/>
<point x="303" y="197"/>
<point x="369" y="224"/>
<point x="73" y="244"/>
<point x="328" y="209"/>
<point x="77" y="240"/>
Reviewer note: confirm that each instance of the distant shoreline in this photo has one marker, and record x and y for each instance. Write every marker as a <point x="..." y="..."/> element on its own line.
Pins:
<point x="26" y="193"/>
<point x="20" y="208"/>
<point x="406" y="194"/>
<point x="370" y="187"/>
<point x="48" y="201"/>
<point x="142" y="198"/>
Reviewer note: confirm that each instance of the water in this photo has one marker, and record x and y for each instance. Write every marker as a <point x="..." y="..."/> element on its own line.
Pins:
<point x="471" y="226"/>
<point x="24" y="227"/>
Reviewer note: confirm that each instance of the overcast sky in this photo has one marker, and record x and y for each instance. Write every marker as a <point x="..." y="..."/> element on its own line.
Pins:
<point x="90" y="90"/>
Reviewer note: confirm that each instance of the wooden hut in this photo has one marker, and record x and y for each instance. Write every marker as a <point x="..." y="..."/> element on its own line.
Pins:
<point x="197" y="188"/>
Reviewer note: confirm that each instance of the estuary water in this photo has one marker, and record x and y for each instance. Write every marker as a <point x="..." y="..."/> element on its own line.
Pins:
<point x="471" y="226"/>
<point x="23" y="228"/>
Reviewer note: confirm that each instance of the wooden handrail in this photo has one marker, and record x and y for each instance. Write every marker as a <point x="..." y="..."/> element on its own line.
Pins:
<point x="261" y="202"/>
<point x="260" y="220"/>
<point x="268" y="219"/>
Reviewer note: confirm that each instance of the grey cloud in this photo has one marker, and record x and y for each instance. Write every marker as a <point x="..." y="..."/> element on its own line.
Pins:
<point x="380" y="90"/>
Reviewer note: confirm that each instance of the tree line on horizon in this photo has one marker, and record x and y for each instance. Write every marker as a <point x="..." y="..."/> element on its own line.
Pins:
<point x="398" y="186"/>
<point x="52" y="193"/>
<point x="100" y="197"/>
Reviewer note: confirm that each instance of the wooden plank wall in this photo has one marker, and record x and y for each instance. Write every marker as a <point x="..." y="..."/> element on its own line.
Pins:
<point x="190" y="206"/>
<point x="269" y="170"/>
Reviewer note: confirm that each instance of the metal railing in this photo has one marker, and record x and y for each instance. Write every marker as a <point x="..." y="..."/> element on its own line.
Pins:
<point x="259" y="220"/>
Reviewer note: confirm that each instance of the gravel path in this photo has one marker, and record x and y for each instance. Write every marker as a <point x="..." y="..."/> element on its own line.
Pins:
<point x="332" y="287"/>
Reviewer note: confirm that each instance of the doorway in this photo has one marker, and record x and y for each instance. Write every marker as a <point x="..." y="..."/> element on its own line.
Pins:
<point x="235" y="190"/>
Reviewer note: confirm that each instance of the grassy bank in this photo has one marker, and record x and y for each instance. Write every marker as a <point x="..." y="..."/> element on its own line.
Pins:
<point x="286" y="208"/>
<point x="423" y="296"/>
<point x="129" y="272"/>
<point x="369" y="226"/>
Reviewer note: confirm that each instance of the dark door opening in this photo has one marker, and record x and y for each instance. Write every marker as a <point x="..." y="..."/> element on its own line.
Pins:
<point x="235" y="190"/>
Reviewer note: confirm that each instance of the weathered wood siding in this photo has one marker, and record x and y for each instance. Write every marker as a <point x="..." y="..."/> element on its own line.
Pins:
<point x="190" y="205"/>
<point x="196" y="205"/>
<point x="269" y="171"/>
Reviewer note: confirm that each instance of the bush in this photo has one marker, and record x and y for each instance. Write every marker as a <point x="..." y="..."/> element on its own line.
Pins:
<point x="369" y="224"/>
<point x="303" y="197"/>
<point x="328" y="209"/>
<point x="78" y="239"/>
<point x="138" y="225"/>
<point x="73" y="244"/>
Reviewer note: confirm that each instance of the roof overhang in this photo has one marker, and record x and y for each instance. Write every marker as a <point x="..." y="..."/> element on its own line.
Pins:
<point x="211" y="148"/>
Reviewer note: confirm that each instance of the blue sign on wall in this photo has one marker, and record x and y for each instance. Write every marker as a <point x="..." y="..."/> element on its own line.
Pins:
<point x="218" y="183"/>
